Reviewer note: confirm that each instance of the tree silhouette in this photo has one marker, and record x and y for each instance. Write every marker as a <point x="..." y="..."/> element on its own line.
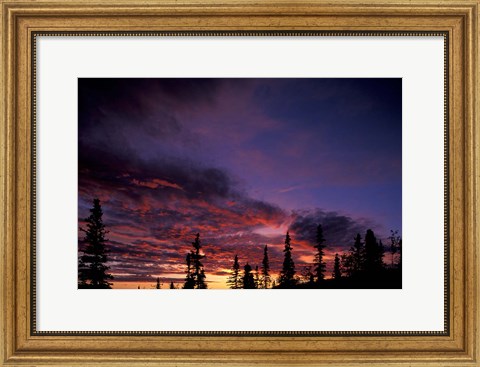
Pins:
<point x="195" y="272"/>
<point x="158" y="285"/>
<point x="287" y="275"/>
<point x="172" y="286"/>
<point x="233" y="280"/>
<point x="91" y="268"/>
<point x="374" y="252"/>
<point x="265" y="280"/>
<point x="337" y="274"/>
<point x="358" y="254"/>
<point x="319" y="264"/>
<point x="353" y="262"/>
<point x="201" y="280"/>
<point x="395" y="246"/>
<point x="189" y="279"/>
<point x="199" y="274"/>
<point x="247" y="281"/>
<point x="347" y="265"/>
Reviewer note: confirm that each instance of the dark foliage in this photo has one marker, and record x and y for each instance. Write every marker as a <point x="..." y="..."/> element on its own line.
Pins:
<point x="265" y="278"/>
<point x="374" y="252"/>
<point x="395" y="247"/>
<point x="353" y="261"/>
<point x="320" y="265"/>
<point x="233" y="280"/>
<point x="189" y="279"/>
<point x="287" y="275"/>
<point x="92" y="268"/>
<point x="362" y="267"/>
<point x="337" y="274"/>
<point x="248" y="282"/>
<point x="195" y="273"/>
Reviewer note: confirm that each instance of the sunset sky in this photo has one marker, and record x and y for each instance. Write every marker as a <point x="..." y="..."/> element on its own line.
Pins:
<point x="240" y="161"/>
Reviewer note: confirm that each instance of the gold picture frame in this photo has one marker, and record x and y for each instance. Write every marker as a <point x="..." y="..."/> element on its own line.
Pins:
<point x="23" y="21"/>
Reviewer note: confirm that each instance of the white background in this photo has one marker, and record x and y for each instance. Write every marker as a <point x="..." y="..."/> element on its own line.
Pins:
<point x="418" y="306"/>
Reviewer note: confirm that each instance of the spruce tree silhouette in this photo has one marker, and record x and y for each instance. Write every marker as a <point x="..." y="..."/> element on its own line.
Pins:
<point x="233" y="280"/>
<point x="92" y="269"/>
<point x="319" y="264"/>
<point x="265" y="280"/>
<point x="347" y="264"/>
<point x="172" y="286"/>
<point x="353" y="263"/>
<point x="197" y="264"/>
<point x="195" y="271"/>
<point x="287" y="274"/>
<point x="189" y="279"/>
<point x="158" y="285"/>
<point x="337" y="273"/>
<point x="374" y="252"/>
<point x="247" y="281"/>
<point x="201" y="280"/>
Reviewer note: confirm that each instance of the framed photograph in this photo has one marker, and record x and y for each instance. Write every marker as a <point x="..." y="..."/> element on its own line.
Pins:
<point x="236" y="183"/>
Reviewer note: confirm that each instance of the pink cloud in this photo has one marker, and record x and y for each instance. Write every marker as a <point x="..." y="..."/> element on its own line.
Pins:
<point x="155" y="183"/>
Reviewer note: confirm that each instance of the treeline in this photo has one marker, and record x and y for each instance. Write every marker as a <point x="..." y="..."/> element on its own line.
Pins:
<point x="250" y="279"/>
<point x="362" y="266"/>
